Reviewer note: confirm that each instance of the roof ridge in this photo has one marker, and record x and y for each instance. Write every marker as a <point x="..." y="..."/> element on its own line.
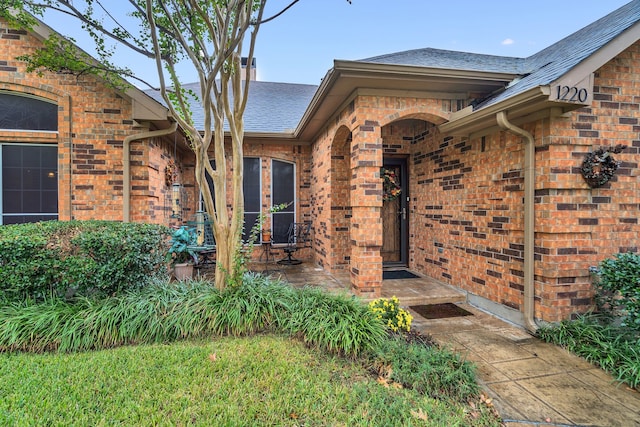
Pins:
<point x="433" y="49"/>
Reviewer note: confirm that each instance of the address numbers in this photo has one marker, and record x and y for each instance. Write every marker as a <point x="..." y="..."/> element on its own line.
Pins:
<point x="571" y="94"/>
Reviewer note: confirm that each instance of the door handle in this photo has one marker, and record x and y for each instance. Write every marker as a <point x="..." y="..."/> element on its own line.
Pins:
<point x="404" y="214"/>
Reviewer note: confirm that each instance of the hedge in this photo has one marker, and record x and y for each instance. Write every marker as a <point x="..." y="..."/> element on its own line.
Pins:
<point x="61" y="259"/>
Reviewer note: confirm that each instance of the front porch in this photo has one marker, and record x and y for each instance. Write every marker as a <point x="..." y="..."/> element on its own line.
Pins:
<point x="410" y="292"/>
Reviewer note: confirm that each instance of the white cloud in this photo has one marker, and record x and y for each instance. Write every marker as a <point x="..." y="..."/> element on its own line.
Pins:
<point x="507" y="42"/>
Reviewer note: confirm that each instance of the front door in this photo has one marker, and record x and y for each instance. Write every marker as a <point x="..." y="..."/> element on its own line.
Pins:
<point x="394" y="212"/>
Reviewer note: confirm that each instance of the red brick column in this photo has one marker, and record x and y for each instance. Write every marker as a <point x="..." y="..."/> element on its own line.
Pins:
<point x="366" y="202"/>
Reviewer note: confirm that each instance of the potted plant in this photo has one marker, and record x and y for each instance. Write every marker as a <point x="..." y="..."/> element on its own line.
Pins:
<point x="266" y="235"/>
<point x="182" y="254"/>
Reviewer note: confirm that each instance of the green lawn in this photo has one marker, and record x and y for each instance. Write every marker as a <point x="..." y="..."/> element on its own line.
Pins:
<point x="258" y="380"/>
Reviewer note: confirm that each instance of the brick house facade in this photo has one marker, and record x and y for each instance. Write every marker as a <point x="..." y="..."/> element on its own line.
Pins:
<point x="87" y="138"/>
<point x="472" y="212"/>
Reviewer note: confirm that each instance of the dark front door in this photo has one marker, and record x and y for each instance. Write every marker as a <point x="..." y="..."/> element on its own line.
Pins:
<point x="395" y="218"/>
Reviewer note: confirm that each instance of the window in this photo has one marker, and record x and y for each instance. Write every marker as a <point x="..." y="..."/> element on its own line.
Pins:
<point x="283" y="190"/>
<point x="20" y="112"/>
<point x="252" y="188"/>
<point x="29" y="183"/>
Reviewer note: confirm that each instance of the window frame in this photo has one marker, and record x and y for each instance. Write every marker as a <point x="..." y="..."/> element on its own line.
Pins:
<point x="290" y="211"/>
<point x="55" y="216"/>
<point x="248" y="227"/>
<point x="40" y="100"/>
<point x="247" y="231"/>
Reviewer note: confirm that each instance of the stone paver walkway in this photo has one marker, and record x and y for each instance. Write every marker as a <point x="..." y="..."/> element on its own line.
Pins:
<point x="534" y="383"/>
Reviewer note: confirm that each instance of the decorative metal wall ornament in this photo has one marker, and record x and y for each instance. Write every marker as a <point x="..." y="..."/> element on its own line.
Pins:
<point x="599" y="166"/>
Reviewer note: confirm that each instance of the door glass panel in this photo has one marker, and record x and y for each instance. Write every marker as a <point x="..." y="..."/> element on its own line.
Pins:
<point x="29" y="183"/>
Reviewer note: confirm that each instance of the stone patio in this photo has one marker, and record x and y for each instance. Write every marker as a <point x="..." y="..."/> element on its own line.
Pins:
<point x="422" y="290"/>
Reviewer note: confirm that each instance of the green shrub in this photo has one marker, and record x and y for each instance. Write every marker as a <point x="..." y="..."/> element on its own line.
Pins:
<point x="337" y="323"/>
<point x="57" y="259"/>
<point x="618" y="288"/>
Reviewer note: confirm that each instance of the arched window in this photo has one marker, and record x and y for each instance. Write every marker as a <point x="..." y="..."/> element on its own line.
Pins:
<point x="23" y="112"/>
<point x="252" y="189"/>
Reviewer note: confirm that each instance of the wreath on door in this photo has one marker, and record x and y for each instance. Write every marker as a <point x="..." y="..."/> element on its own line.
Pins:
<point x="391" y="190"/>
<point x="599" y="166"/>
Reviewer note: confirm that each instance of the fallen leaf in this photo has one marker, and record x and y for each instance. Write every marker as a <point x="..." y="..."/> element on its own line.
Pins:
<point x="293" y="416"/>
<point x="212" y="357"/>
<point x="420" y="414"/>
<point x="383" y="381"/>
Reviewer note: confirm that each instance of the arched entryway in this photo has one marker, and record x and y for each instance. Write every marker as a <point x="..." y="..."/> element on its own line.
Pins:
<point x="340" y="250"/>
<point x="403" y="145"/>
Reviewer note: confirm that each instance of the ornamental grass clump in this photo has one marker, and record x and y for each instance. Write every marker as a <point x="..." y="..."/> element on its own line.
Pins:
<point x="389" y="311"/>
<point x="167" y="311"/>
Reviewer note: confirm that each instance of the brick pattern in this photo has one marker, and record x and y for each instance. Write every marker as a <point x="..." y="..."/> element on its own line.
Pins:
<point x="93" y="121"/>
<point x="582" y="226"/>
<point x="466" y="213"/>
<point x="353" y="208"/>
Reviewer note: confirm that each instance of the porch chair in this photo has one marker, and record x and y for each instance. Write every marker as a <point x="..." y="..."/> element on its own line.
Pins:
<point x="298" y="237"/>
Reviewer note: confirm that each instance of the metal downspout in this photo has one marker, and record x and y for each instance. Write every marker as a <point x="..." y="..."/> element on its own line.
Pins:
<point x="529" y="218"/>
<point x="126" y="166"/>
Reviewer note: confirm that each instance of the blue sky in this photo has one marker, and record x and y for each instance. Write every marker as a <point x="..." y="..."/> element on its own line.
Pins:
<point x="300" y="46"/>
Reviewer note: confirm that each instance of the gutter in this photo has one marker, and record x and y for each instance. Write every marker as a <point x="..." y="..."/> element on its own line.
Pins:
<point x="467" y="120"/>
<point x="529" y="218"/>
<point x="126" y="165"/>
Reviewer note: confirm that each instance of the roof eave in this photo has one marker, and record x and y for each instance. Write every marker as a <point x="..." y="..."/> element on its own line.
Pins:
<point x="520" y="105"/>
<point x="420" y="71"/>
<point x="354" y="74"/>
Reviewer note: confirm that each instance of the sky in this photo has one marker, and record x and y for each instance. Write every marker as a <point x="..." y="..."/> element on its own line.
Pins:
<point x="301" y="45"/>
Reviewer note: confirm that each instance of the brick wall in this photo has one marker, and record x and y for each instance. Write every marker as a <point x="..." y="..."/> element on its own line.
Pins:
<point x="93" y="121"/>
<point x="466" y="211"/>
<point x="580" y="225"/>
<point x="346" y="190"/>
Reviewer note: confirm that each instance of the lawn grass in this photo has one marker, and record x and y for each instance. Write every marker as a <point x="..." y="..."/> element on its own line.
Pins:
<point x="256" y="380"/>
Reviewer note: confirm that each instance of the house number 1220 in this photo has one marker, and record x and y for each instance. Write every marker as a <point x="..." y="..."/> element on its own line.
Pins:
<point x="571" y="94"/>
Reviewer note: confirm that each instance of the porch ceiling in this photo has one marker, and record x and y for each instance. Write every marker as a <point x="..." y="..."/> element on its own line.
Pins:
<point x="341" y="82"/>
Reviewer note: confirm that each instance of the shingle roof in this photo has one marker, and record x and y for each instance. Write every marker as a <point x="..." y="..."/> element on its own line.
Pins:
<point x="551" y="63"/>
<point x="279" y="107"/>
<point x="452" y="60"/>
<point x="271" y="107"/>
<point x="539" y="69"/>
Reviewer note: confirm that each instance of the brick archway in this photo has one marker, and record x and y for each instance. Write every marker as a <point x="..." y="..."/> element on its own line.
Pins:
<point x="340" y="249"/>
